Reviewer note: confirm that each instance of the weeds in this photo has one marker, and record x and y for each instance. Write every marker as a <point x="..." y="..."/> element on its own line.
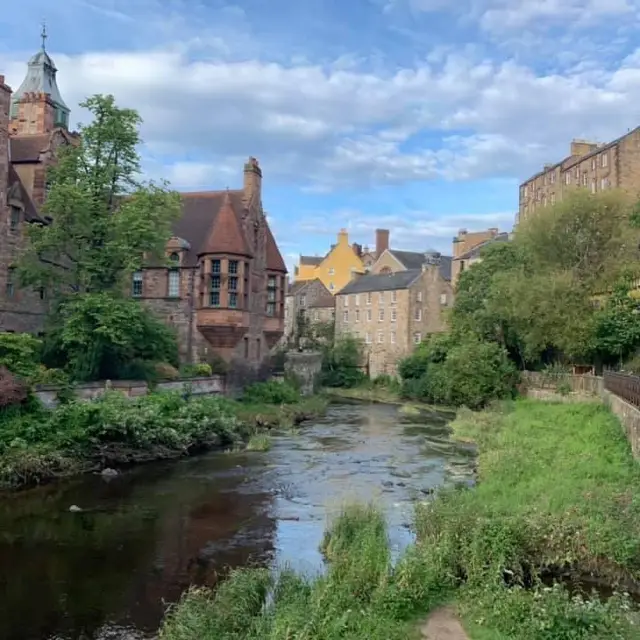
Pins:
<point x="259" y="442"/>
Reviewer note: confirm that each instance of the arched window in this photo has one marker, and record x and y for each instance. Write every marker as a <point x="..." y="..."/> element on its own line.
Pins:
<point x="385" y="270"/>
<point x="174" y="276"/>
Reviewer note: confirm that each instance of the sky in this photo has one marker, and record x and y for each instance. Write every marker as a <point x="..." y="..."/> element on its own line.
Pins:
<point x="420" y="116"/>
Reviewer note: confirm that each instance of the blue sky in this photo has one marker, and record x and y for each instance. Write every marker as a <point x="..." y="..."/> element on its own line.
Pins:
<point x="421" y="116"/>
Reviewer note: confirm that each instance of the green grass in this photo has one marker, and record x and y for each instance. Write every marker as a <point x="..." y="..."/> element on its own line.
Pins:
<point x="558" y="489"/>
<point x="259" y="442"/>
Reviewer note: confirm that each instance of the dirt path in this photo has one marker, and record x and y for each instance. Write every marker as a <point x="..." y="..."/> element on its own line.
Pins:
<point x="443" y="624"/>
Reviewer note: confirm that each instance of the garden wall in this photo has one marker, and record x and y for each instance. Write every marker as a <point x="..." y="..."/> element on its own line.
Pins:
<point x="48" y="394"/>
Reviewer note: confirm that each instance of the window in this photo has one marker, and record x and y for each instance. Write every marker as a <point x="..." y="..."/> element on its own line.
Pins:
<point x="233" y="266"/>
<point x="272" y="287"/>
<point x="346" y="301"/>
<point x="332" y="271"/>
<point x="303" y="300"/>
<point x="443" y="299"/>
<point x="10" y="287"/>
<point x="577" y="175"/>
<point x="357" y="299"/>
<point x="369" y="297"/>
<point x="584" y="179"/>
<point x="357" y="315"/>
<point x="593" y="185"/>
<point x="593" y="164"/>
<point x="233" y="291"/>
<point x="215" y="266"/>
<point x="604" y="183"/>
<point x="15" y="217"/>
<point x="43" y="293"/>
<point x="419" y="296"/>
<point x="367" y="338"/>
<point x="174" y="283"/>
<point x="604" y="160"/>
<point x="553" y="177"/>
<point x="567" y="178"/>
<point x="417" y="338"/>
<point x="214" y="294"/>
<point x="418" y="315"/>
<point x="381" y="315"/>
<point x="380" y="337"/>
<point x="136" y="287"/>
<point x="381" y="297"/>
<point x="368" y="315"/>
<point x="394" y="315"/>
<point x="345" y="316"/>
<point x="392" y="337"/>
<point x="394" y="297"/>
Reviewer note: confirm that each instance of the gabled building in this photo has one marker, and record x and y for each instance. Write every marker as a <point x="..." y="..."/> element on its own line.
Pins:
<point x="392" y="312"/>
<point x="310" y="298"/>
<point x="342" y="263"/>
<point x="223" y="284"/>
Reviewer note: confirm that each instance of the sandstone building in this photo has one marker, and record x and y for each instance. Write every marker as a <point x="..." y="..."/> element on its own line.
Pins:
<point x="223" y="283"/>
<point x="589" y="165"/>
<point x="468" y="246"/>
<point x="342" y="263"/>
<point x="33" y="124"/>
<point x="392" y="312"/>
<point x="309" y="299"/>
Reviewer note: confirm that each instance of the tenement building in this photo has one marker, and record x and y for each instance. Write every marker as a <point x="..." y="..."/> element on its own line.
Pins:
<point x="392" y="312"/>
<point x="468" y="247"/>
<point x="33" y="124"/>
<point x="589" y="165"/>
<point x="308" y="299"/>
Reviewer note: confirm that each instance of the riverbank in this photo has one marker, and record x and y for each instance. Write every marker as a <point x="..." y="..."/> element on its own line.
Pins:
<point x="38" y="445"/>
<point x="386" y="395"/>
<point x="557" y="497"/>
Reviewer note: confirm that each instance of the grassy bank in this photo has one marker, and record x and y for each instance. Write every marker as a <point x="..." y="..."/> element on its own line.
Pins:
<point x="558" y="492"/>
<point x="38" y="445"/>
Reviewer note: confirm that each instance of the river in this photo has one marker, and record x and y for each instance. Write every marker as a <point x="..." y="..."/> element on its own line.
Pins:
<point x="144" y="536"/>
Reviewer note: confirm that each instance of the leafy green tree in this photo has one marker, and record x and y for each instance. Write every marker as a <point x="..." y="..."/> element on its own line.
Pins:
<point x="20" y="354"/>
<point x="98" y="336"/>
<point x="106" y="219"/>
<point x="342" y="362"/>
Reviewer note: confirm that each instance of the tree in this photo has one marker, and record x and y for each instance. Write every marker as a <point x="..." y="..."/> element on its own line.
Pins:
<point x="106" y="220"/>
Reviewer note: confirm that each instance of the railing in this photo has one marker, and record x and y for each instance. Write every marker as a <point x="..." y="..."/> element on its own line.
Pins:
<point x="624" y="386"/>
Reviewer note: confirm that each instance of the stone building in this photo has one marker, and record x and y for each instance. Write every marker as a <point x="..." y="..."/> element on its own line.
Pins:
<point x="308" y="297"/>
<point x="468" y="246"/>
<point x="392" y="312"/>
<point x="33" y="124"/>
<point x="589" y="165"/>
<point x="342" y="263"/>
<point x="223" y="285"/>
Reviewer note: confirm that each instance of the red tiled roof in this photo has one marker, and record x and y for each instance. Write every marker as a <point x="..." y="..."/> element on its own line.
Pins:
<point x="225" y="233"/>
<point x="274" y="258"/>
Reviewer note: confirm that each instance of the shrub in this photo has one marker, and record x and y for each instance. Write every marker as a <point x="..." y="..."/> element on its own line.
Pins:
<point x="165" y="371"/>
<point x="20" y="353"/>
<point x="199" y="370"/>
<point x="460" y="372"/>
<point x="271" y="392"/>
<point x="342" y="362"/>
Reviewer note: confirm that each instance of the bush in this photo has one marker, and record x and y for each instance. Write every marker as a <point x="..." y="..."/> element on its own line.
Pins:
<point x="342" y="362"/>
<point x="466" y="372"/>
<point x="12" y="390"/>
<point x="271" y="392"/>
<point x="199" y="370"/>
<point x="20" y="353"/>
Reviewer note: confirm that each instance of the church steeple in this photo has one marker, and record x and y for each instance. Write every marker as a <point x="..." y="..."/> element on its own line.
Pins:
<point x="37" y="106"/>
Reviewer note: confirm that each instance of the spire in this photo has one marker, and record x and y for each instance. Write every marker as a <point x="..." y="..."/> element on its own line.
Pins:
<point x="43" y="35"/>
<point x="39" y="81"/>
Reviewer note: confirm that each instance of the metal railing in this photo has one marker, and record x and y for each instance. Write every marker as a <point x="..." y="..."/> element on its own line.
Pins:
<point x="624" y="386"/>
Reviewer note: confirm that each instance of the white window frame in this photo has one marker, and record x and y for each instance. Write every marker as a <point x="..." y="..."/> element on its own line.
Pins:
<point x="394" y="297"/>
<point x="604" y="160"/>
<point x="381" y="297"/>
<point x="443" y="299"/>
<point x="367" y="338"/>
<point x="357" y="299"/>
<point x="417" y="314"/>
<point x="392" y="337"/>
<point x="357" y="315"/>
<point x="380" y="337"/>
<point x="419" y="296"/>
<point x="369" y="315"/>
<point x="417" y="337"/>
<point x="369" y="297"/>
<point x="394" y="315"/>
<point x="345" y="317"/>
<point x="380" y="315"/>
<point x="173" y="283"/>
<point x="346" y="301"/>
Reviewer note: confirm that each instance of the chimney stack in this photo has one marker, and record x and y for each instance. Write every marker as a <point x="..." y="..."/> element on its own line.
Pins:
<point x="382" y="241"/>
<point x="252" y="182"/>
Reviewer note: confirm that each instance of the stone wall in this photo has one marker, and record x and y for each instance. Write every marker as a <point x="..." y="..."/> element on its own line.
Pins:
<point x="585" y="388"/>
<point x="305" y="367"/>
<point x="213" y="385"/>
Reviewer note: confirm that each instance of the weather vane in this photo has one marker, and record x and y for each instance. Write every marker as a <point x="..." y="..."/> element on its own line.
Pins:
<point x="43" y="34"/>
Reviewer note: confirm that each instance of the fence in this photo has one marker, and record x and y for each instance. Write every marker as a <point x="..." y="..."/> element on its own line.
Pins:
<point x="589" y="384"/>
<point x="623" y="385"/>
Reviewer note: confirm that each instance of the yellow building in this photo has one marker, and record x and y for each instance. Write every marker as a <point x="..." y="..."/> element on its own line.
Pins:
<point x="336" y="269"/>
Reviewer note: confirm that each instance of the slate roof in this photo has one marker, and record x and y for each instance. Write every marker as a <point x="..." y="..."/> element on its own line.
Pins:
<point x="274" y="257"/>
<point x="382" y="282"/>
<point x="415" y="260"/>
<point x="322" y="301"/>
<point x="297" y="286"/>
<point x="475" y="251"/>
<point x="225" y="235"/>
<point x="30" y="211"/>
<point x="313" y="261"/>
<point x="28" y="148"/>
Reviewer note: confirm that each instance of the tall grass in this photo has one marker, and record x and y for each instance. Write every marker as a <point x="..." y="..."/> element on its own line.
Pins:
<point x="558" y="490"/>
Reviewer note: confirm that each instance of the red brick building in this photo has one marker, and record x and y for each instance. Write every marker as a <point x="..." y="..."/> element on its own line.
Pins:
<point x="224" y="286"/>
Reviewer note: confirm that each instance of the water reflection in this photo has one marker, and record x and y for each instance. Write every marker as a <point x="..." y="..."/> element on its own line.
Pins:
<point x="143" y="537"/>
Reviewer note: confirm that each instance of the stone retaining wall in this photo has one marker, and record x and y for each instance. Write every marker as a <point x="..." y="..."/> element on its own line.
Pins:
<point x="211" y="385"/>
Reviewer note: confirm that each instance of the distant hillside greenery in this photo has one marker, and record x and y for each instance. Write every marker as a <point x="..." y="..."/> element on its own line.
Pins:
<point x="563" y="291"/>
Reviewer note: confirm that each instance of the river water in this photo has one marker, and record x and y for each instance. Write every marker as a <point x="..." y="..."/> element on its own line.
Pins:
<point x="146" y="535"/>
